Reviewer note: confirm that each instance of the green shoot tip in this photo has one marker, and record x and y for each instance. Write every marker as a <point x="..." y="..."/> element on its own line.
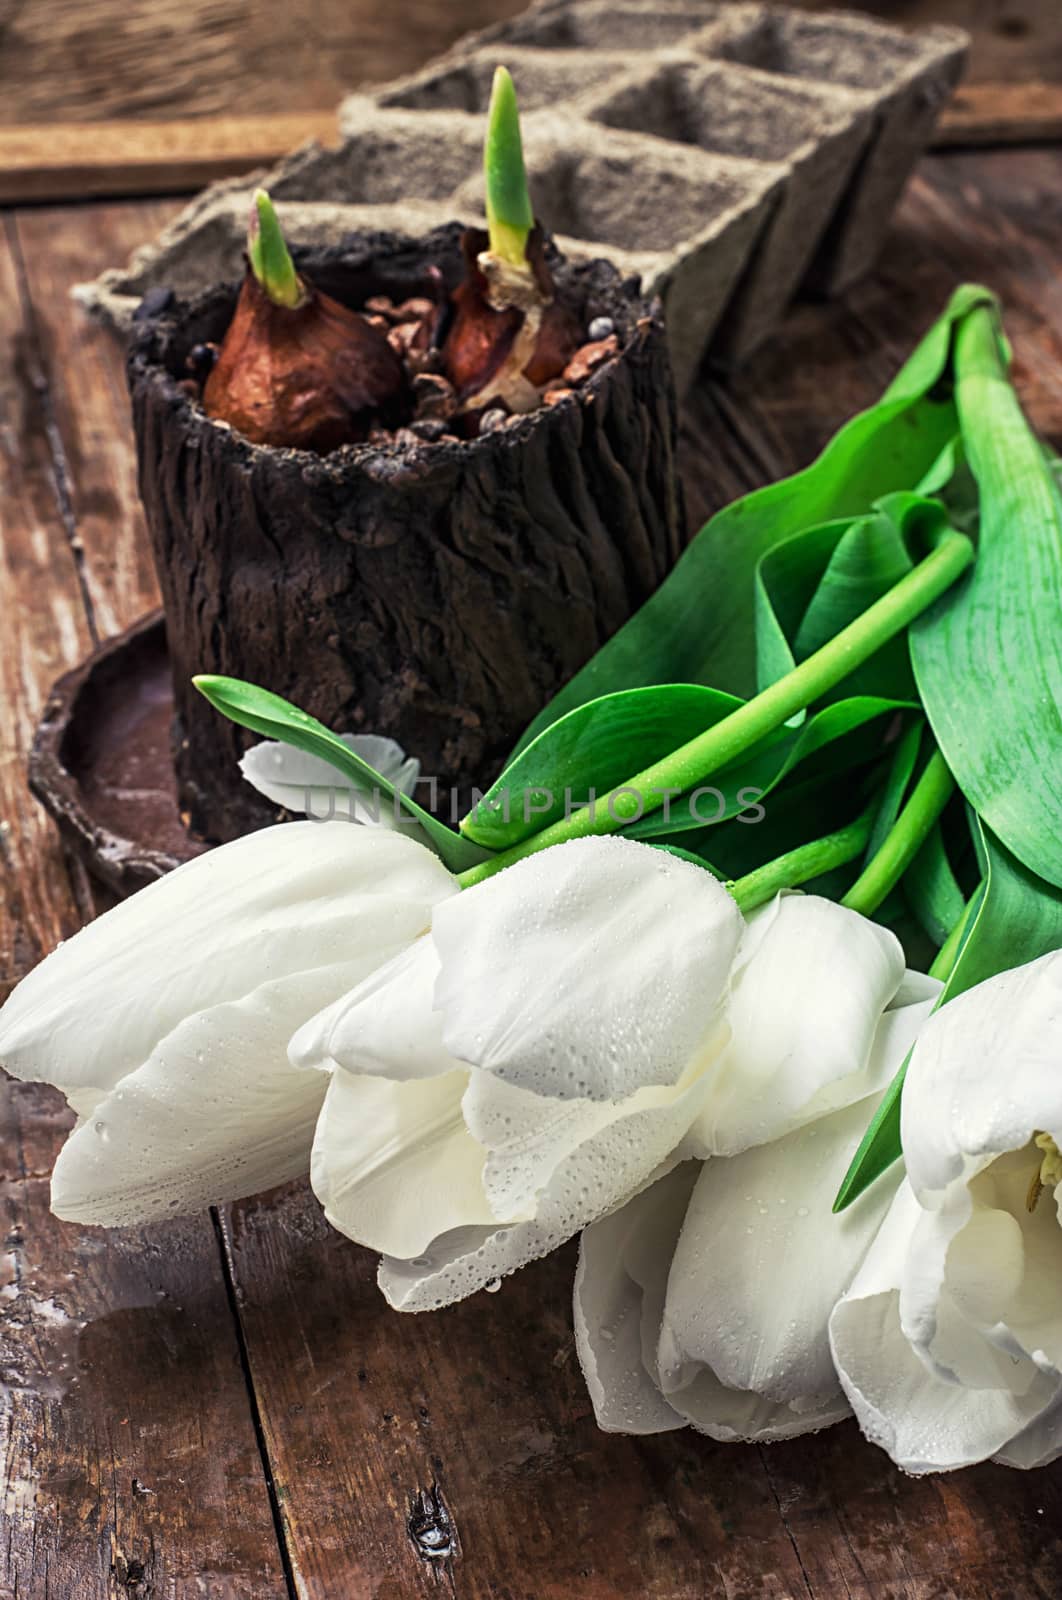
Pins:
<point x="510" y="216"/>
<point x="268" y="254"/>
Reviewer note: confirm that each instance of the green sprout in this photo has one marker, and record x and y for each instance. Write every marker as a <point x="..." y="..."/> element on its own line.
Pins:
<point x="268" y="254"/>
<point x="510" y="216"/>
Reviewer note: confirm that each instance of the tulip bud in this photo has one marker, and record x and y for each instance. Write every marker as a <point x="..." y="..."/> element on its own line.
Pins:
<point x="297" y="369"/>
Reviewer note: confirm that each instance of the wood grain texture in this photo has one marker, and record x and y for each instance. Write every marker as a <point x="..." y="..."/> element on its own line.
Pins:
<point x="1003" y="113"/>
<point x="105" y="60"/>
<point x="77" y="161"/>
<point x="45" y="630"/>
<point x="130" y="1462"/>
<point x="131" y="1469"/>
<point x="482" y="1409"/>
<point x="87" y="394"/>
<point x="127" y="1444"/>
<point x="452" y="1454"/>
<point x="260" y="76"/>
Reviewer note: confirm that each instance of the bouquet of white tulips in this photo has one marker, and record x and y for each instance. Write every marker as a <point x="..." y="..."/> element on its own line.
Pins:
<point x="703" y="1041"/>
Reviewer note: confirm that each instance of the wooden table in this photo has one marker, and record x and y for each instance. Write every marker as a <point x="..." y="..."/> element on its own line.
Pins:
<point x="224" y="1406"/>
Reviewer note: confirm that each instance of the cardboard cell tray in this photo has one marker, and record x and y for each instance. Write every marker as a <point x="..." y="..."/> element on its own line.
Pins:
<point x="728" y="154"/>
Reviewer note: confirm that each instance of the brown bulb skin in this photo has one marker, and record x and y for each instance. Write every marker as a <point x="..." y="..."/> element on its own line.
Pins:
<point x="309" y="377"/>
<point x="480" y="338"/>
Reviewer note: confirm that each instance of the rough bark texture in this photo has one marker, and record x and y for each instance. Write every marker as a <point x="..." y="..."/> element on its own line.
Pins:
<point x="439" y="594"/>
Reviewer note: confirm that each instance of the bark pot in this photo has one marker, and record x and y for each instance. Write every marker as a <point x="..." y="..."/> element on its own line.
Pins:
<point x="437" y="593"/>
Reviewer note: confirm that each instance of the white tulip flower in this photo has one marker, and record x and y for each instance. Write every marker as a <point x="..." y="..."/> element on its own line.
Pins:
<point x="705" y="1300"/>
<point x="166" y="1022"/>
<point x="524" y="1069"/>
<point x="949" y="1342"/>
<point x="572" y="1029"/>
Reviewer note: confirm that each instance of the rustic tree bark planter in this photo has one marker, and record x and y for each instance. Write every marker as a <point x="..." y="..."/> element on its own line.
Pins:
<point x="439" y="592"/>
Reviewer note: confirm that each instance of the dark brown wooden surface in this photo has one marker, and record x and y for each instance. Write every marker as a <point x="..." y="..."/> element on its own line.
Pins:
<point x="233" y="1411"/>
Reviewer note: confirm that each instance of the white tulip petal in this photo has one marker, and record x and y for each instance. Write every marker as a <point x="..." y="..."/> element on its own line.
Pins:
<point x="393" y="1163"/>
<point x="385" y="1026"/>
<point x="284" y="900"/>
<point x="1033" y="1314"/>
<point x="740" y="1416"/>
<point x="305" y="784"/>
<point x="620" y="1285"/>
<point x="214" y="1113"/>
<point x="981" y="1295"/>
<point x="587" y="971"/>
<point x="633" y="1141"/>
<point x="984" y="1076"/>
<point x="758" y="1267"/>
<point x="937" y="1323"/>
<point x="1037" y="1445"/>
<point x="811" y="980"/>
<point x="924" y="1422"/>
<point x="916" y="988"/>
<point x="530" y="1136"/>
<point x="986" y="1265"/>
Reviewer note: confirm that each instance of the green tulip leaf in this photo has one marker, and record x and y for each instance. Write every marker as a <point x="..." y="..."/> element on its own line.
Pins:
<point x="698" y="627"/>
<point x="988" y="656"/>
<point x="276" y="718"/>
<point x="594" y="747"/>
<point x="901" y="771"/>
<point x="747" y="782"/>
<point x="814" y="584"/>
<point x="801" y="808"/>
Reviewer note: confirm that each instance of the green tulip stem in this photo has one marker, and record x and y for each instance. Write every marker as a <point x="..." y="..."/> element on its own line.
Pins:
<point x="807" y="861"/>
<point x="948" y="954"/>
<point x="905" y="838"/>
<point x="696" y="760"/>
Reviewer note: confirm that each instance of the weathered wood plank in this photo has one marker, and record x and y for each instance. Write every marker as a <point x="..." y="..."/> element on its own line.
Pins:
<point x="1002" y="113"/>
<point x="105" y="60"/>
<point x="67" y="161"/>
<point x="79" y="161"/>
<point x="40" y="639"/>
<point x="128" y="1459"/>
<point x="130" y="1462"/>
<point x="375" y="1419"/>
<point x="86" y="373"/>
